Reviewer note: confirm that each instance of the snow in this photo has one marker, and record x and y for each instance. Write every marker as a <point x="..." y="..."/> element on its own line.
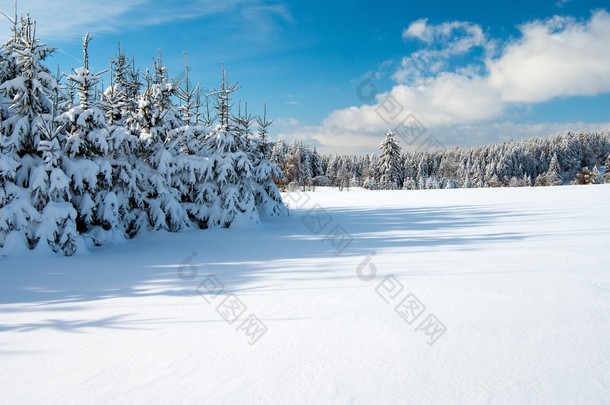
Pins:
<point x="517" y="279"/>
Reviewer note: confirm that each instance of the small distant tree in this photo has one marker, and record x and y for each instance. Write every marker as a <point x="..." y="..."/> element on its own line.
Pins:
<point x="596" y="177"/>
<point x="553" y="175"/>
<point x="290" y="171"/>
<point x="607" y="173"/>
<point x="584" y="177"/>
<point x="541" y="180"/>
<point x="409" y="184"/>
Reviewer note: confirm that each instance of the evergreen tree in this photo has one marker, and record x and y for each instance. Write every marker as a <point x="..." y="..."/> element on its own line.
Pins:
<point x="113" y="103"/>
<point x="223" y="99"/>
<point x="189" y="96"/>
<point x="16" y="210"/>
<point x="316" y="164"/>
<point x="263" y="133"/>
<point x="596" y="177"/>
<point x="86" y="148"/>
<point x="229" y="192"/>
<point x="553" y="175"/>
<point x="159" y="126"/>
<point x="51" y="185"/>
<point x="28" y="90"/>
<point x="25" y="90"/>
<point x="390" y="162"/>
<point x="571" y="154"/>
<point x="238" y="181"/>
<point x="128" y="183"/>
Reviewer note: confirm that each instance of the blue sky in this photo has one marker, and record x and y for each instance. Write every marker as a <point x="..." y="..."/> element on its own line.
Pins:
<point x="468" y="72"/>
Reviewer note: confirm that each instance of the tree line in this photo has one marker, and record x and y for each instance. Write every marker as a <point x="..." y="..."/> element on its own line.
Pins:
<point x="570" y="158"/>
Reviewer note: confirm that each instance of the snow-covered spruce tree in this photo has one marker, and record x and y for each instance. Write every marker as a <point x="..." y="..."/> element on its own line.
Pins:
<point x="188" y="149"/>
<point x="26" y="84"/>
<point x="541" y="180"/>
<point x="157" y="120"/>
<point x="370" y="181"/>
<point x="228" y="191"/>
<point x="51" y="188"/>
<point x="306" y="171"/>
<point x="8" y="165"/>
<point x="132" y="86"/>
<point x="188" y="139"/>
<point x="607" y="173"/>
<point x="278" y="152"/>
<point x="27" y="89"/>
<point x="390" y="162"/>
<point x="15" y="209"/>
<point x="63" y="96"/>
<point x="267" y="197"/>
<point x="553" y="175"/>
<point x="86" y="163"/>
<point x="227" y="194"/>
<point x="188" y="96"/>
<point x="263" y="133"/>
<point x="113" y="102"/>
<point x="570" y="154"/>
<point x="128" y="182"/>
<point x="316" y="164"/>
<point x="238" y="183"/>
<point x="596" y="177"/>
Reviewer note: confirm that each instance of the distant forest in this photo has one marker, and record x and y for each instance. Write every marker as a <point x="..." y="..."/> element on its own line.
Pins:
<point x="571" y="158"/>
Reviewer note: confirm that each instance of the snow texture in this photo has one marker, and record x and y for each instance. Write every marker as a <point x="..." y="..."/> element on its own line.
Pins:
<point x="518" y="278"/>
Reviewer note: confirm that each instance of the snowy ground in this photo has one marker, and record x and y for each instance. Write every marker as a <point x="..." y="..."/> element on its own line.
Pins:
<point x="448" y="296"/>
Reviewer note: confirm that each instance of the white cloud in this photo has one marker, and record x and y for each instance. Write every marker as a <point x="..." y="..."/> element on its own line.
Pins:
<point x="482" y="134"/>
<point x="562" y="3"/>
<point x="467" y="104"/>
<point x="418" y="29"/>
<point x="555" y="58"/>
<point x="456" y="36"/>
<point x="329" y="140"/>
<point x="447" y="99"/>
<point x="443" y="41"/>
<point x="286" y="122"/>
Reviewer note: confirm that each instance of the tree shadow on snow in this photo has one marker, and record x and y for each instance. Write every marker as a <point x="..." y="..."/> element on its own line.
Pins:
<point x="175" y="265"/>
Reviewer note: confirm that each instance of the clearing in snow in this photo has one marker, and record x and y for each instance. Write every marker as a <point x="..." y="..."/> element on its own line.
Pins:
<point x="443" y="296"/>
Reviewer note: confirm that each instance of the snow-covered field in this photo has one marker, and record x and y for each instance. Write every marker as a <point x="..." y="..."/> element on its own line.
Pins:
<point x="448" y="296"/>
